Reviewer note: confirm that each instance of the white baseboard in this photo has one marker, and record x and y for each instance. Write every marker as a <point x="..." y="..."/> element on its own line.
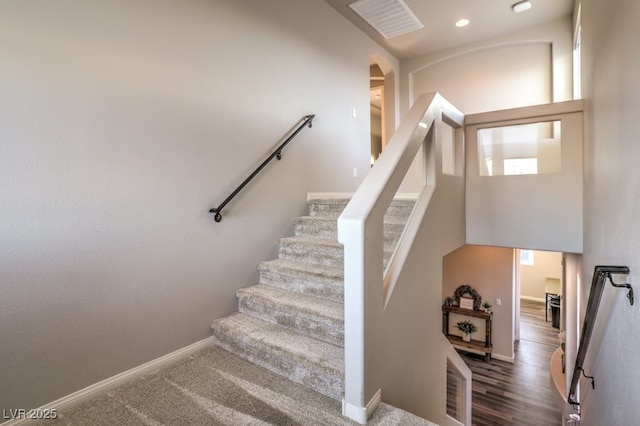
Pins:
<point x="118" y="379"/>
<point x="505" y="358"/>
<point x="361" y="414"/>
<point x="494" y="355"/>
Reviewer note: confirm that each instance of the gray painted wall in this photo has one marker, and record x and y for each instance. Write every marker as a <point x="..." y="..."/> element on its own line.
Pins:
<point x="121" y="124"/>
<point x="610" y="67"/>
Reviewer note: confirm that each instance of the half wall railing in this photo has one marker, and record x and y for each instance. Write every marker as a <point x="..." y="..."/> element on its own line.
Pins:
<point x="407" y="333"/>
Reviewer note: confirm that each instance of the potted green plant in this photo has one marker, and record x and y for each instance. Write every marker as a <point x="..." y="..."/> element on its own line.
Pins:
<point x="467" y="328"/>
<point x="487" y="307"/>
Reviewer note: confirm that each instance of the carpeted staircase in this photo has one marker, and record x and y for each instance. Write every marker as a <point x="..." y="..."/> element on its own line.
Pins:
<point x="292" y="321"/>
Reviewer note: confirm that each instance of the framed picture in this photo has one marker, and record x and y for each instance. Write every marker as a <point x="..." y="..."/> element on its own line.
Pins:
<point x="466" y="303"/>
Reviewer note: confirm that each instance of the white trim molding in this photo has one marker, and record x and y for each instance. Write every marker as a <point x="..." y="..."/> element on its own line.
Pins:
<point x="504" y="358"/>
<point x="361" y="414"/>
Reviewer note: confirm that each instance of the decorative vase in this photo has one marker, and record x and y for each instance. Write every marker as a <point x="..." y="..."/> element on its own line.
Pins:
<point x="466" y="337"/>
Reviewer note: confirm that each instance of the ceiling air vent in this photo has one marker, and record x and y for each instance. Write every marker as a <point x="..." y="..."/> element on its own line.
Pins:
<point x="390" y="18"/>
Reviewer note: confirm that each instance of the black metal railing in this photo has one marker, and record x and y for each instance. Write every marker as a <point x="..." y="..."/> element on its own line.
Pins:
<point x="307" y="120"/>
<point x="600" y="275"/>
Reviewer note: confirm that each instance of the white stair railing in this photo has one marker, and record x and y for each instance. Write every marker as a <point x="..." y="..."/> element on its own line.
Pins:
<point x="375" y="319"/>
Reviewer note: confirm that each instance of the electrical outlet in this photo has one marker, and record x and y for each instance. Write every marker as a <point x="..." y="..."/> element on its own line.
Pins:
<point x="354" y="113"/>
<point x="355" y="172"/>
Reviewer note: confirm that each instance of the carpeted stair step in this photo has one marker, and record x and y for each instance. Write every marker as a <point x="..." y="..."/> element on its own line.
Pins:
<point x="317" y="251"/>
<point x="393" y="229"/>
<point x="331" y="207"/>
<point x="400" y="208"/>
<point x="320" y="251"/>
<point x="327" y="228"/>
<point x="302" y="359"/>
<point x="319" y="318"/>
<point x="313" y="280"/>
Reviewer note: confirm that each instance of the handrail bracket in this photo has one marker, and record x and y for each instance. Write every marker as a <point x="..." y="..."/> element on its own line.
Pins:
<point x="623" y="285"/>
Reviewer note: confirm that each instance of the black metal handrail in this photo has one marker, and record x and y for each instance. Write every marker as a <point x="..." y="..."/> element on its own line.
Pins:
<point x="600" y="274"/>
<point x="307" y="120"/>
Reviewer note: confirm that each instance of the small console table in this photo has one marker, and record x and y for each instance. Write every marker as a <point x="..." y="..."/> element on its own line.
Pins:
<point x="481" y="346"/>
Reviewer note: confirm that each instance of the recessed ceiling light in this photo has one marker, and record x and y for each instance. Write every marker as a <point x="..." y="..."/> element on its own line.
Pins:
<point x="462" y="23"/>
<point x="521" y="7"/>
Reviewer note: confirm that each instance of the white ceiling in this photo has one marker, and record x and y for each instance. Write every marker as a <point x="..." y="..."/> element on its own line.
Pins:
<point x="489" y="18"/>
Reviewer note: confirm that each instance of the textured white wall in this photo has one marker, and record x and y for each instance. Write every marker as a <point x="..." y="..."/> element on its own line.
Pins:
<point x="525" y="68"/>
<point x="520" y="72"/>
<point x="610" y="68"/>
<point x="121" y="124"/>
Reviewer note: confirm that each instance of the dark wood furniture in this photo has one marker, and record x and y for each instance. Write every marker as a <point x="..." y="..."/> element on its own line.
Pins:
<point x="481" y="346"/>
<point x="549" y="297"/>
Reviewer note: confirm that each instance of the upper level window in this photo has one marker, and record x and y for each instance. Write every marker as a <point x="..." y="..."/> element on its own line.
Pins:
<point x="521" y="166"/>
<point x="526" y="257"/>
<point x="525" y="149"/>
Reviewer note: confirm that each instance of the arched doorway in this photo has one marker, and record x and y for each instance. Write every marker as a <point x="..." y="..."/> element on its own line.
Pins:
<point x="382" y="104"/>
<point x="376" y="98"/>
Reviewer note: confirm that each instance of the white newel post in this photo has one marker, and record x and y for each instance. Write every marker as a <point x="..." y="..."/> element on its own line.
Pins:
<point x="363" y="305"/>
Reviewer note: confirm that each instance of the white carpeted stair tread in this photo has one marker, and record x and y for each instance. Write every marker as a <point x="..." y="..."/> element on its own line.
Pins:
<point x="326" y="227"/>
<point x="327" y="206"/>
<point x="313" y="316"/>
<point x="333" y="207"/>
<point x="302" y="359"/>
<point x="319" y="251"/>
<point x="313" y="280"/>
<point x="312" y="250"/>
<point x="310" y="271"/>
<point x="317" y="226"/>
<point x="319" y="242"/>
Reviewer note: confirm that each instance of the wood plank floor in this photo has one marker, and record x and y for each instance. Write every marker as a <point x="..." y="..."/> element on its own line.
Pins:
<point x="518" y="393"/>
